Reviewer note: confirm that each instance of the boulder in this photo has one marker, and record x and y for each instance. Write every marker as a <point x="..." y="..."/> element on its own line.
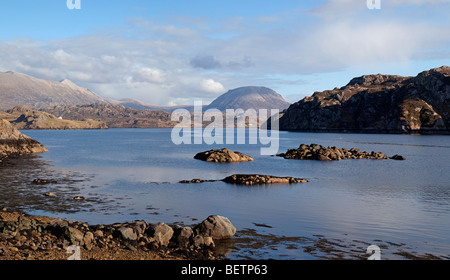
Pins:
<point x="161" y="234"/>
<point x="221" y="156"/>
<point x="217" y="227"/>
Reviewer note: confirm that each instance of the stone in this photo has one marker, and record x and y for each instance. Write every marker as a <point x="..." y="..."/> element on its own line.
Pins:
<point x="74" y="235"/>
<point x="398" y="157"/>
<point x="182" y="236"/>
<point x="217" y="227"/>
<point x="161" y="234"/>
<point x="88" y="239"/>
<point x="127" y="233"/>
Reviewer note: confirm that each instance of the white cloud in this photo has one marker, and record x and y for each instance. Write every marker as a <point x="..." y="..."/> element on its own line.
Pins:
<point x="212" y="86"/>
<point x="148" y="75"/>
<point x="164" y="63"/>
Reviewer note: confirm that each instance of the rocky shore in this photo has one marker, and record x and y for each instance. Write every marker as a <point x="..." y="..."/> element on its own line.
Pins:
<point x="26" y="237"/>
<point x="319" y="152"/>
<point x="14" y="144"/>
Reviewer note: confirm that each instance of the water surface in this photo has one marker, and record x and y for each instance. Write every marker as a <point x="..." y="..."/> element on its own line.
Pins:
<point x="133" y="174"/>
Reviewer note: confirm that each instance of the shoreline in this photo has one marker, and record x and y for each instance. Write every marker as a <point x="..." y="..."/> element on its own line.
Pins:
<point x="29" y="237"/>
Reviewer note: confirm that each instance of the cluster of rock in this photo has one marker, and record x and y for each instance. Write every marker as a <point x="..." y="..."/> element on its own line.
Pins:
<point x="255" y="179"/>
<point x="250" y="179"/>
<point x="222" y="156"/>
<point x="14" y="144"/>
<point x="319" y="152"/>
<point x="27" y="235"/>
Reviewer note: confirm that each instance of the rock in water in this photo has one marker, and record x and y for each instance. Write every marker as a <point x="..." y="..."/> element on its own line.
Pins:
<point x="13" y="143"/>
<point x="318" y="152"/>
<point x="223" y="155"/>
<point x="255" y="179"/>
<point x="217" y="227"/>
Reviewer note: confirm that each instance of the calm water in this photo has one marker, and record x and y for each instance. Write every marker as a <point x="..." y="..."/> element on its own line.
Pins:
<point x="133" y="174"/>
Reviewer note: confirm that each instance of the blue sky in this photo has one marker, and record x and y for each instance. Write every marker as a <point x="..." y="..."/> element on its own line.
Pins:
<point x="172" y="52"/>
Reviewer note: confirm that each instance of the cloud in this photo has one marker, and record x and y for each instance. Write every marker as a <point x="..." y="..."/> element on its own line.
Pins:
<point x="212" y="86"/>
<point x="163" y="63"/>
<point x="148" y="75"/>
<point x="205" y="62"/>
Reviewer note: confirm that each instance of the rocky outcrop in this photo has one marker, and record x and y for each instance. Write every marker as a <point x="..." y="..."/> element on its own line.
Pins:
<point x="319" y="152"/>
<point x="255" y="179"/>
<point x="22" y="117"/>
<point x="377" y="103"/>
<point x="221" y="156"/>
<point x="13" y="143"/>
<point x="25" y="237"/>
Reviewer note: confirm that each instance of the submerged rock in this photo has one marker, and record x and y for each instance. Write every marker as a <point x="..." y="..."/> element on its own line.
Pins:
<point x="223" y="155"/>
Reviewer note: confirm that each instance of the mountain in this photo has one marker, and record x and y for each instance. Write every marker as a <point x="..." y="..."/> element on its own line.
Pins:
<point x="139" y="105"/>
<point x="377" y="103"/>
<point x="20" y="89"/>
<point x="249" y="98"/>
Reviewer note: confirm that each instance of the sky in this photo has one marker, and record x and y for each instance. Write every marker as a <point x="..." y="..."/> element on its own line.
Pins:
<point x="173" y="52"/>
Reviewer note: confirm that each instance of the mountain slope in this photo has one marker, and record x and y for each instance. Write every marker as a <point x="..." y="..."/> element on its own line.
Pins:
<point x="249" y="98"/>
<point x="20" y="89"/>
<point x="377" y="103"/>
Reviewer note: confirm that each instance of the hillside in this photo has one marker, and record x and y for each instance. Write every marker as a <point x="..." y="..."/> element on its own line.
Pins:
<point x="377" y="103"/>
<point x="18" y="89"/>
<point x="22" y="117"/>
<point x="115" y="116"/>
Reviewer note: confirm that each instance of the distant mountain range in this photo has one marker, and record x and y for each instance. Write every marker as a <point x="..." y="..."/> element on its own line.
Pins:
<point x="17" y="89"/>
<point x="377" y="103"/>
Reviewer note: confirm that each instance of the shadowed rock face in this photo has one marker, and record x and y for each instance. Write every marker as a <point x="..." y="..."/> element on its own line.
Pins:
<point x="377" y="103"/>
<point x="223" y="155"/>
<point x="13" y="143"/>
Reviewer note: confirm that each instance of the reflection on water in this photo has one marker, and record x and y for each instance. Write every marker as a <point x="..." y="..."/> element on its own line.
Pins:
<point x="132" y="174"/>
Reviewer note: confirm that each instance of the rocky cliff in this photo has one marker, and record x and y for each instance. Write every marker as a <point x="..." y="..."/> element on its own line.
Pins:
<point x="377" y="103"/>
<point x="13" y="143"/>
